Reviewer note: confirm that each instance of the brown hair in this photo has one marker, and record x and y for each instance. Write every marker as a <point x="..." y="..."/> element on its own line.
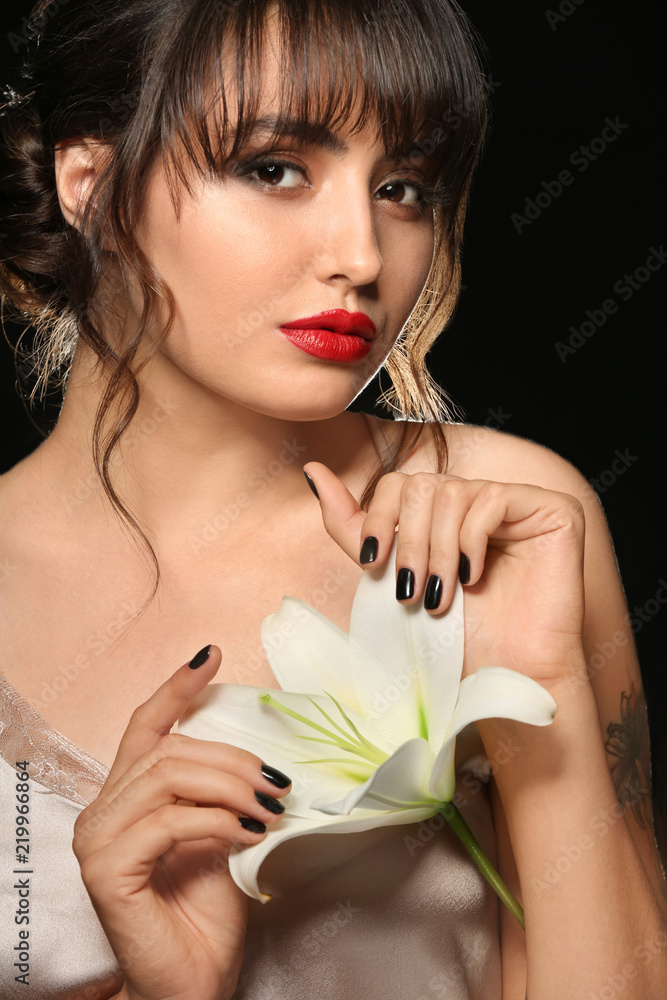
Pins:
<point x="139" y="75"/>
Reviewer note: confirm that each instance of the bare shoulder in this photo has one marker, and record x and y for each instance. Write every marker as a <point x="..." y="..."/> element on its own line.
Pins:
<point x="26" y="518"/>
<point x="15" y="500"/>
<point x="10" y="492"/>
<point x="478" y="452"/>
<point x="487" y="453"/>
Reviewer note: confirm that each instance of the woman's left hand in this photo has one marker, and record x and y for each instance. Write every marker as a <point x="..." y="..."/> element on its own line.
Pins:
<point x="524" y="597"/>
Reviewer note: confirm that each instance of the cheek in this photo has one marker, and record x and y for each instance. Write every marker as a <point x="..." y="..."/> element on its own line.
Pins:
<point x="224" y="267"/>
<point x="406" y="270"/>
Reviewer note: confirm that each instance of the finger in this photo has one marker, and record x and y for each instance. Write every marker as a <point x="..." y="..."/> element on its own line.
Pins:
<point x="166" y="782"/>
<point x="451" y="503"/>
<point x="503" y="511"/>
<point x="366" y="536"/>
<point x="414" y="530"/>
<point x="125" y="865"/>
<point x="155" y="717"/>
<point x="341" y="514"/>
<point x="222" y="756"/>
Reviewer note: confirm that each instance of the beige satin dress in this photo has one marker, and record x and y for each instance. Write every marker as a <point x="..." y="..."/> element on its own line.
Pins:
<point x="398" y="912"/>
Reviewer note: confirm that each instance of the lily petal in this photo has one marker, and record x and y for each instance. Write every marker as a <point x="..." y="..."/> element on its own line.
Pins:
<point x="245" y="862"/>
<point x="402" y="782"/>
<point x="232" y="713"/>
<point x="490" y="693"/>
<point x="406" y="663"/>
<point x="316" y="656"/>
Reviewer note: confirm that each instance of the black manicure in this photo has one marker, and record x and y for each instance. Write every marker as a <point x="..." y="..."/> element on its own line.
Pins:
<point x="311" y="483"/>
<point x="253" y="825"/>
<point x="269" y="803"/>
<point x="201" y="657"/>
<point x="369" y="550"/>
<point x="464" y="568"/>
<point x="433" y="592"/>
<point x="405" y="584"/>
<point x="275" y="776"/>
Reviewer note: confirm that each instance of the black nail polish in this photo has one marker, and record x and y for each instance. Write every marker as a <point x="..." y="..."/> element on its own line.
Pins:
<point x="405" y="584"/>
<point x="369" y="550"/>
<point x="275" y="776"/>
<point x="433" y="592"/>
<point x="311" y="483"/>
<point x="201" y="657"/>
<point x="254" y="825"/>
<point x="269" y="803"/>
<point x="464" y="568"/>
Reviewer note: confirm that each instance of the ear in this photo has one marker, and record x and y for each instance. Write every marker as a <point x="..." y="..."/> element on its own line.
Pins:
<point x="78" y="163"/>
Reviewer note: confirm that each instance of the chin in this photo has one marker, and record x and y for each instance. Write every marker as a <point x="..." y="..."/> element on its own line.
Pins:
<point x="303" y="404"/>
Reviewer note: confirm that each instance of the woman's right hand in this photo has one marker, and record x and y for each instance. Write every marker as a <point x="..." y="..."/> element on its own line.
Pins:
<point x="155" y="865"/>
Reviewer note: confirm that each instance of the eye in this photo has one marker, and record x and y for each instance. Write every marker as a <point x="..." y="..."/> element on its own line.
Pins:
<point x="274" y="171"/>
<point x="398" y="187"/>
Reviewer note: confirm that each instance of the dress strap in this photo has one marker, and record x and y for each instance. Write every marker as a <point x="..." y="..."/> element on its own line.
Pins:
<point x="52" y="759"/>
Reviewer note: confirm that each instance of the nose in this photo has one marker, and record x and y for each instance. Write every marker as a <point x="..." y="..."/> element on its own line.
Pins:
<point x="348" y="248"/>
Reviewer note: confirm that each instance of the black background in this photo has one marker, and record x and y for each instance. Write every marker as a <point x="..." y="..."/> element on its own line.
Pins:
<point x="558" y="72"/>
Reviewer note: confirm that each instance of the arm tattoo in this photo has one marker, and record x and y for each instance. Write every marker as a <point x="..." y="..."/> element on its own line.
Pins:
<point x="628" y="742"/>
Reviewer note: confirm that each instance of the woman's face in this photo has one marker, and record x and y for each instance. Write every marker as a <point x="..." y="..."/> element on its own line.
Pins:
<point x="271" y="243"/>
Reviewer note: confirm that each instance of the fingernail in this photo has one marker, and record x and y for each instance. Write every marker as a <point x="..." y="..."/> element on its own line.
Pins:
<point x="405" y="584"/>
<point x="275" y="776"/>
<point x="311" y="483"/>
<point x="433" y="592"/>
<point x="201" y="657"/>
<point x="369" y="550"/>
<point x="464" y="568"/>
<point x="253" y="825"/>
<point x="269" y="803"/>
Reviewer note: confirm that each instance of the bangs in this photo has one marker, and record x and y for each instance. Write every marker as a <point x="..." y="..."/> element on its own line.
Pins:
<point x="410" y="69"/>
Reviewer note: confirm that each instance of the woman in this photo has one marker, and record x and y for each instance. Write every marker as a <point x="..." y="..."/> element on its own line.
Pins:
<point x="172" y="284"/>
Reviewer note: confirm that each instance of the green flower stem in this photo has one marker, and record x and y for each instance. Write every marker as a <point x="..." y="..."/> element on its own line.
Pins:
<point x="466" y="836"/>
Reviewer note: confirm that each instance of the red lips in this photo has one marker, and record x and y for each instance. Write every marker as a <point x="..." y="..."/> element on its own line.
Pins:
<point x="338" y="321"/>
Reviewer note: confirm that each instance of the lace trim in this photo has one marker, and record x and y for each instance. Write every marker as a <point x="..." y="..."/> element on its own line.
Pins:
<point x="54" y="761"/>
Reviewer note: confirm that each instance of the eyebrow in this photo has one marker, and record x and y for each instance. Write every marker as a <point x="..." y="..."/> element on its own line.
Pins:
<point x="305" y="131"/>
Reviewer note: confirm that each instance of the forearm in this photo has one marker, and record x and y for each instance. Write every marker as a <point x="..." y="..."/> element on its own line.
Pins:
<point x="592" y="911"/>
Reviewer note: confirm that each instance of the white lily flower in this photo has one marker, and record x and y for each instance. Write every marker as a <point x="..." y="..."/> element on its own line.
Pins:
<point x="381" y="707"/>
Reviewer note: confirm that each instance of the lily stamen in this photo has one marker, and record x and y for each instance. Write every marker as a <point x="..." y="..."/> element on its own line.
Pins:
<point x="364" y="749"/>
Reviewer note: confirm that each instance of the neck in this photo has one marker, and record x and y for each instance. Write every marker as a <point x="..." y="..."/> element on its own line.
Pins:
<point x="192" y="463"/>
